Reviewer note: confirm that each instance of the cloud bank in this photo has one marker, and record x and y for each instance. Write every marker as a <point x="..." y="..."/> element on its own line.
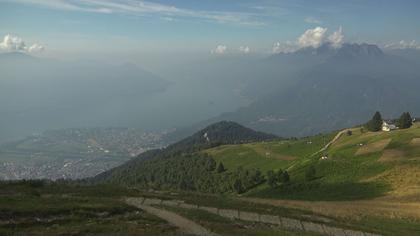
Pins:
<point x="413" y="44"/>
<point x="244" y="49"/>
<point x="12" y="43"/>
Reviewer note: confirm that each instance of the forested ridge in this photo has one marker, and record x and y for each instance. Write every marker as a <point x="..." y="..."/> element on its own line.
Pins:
<point x="181" y="166"/>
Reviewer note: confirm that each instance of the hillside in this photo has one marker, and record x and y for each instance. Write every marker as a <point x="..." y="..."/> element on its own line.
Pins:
<point x="363" y="165"/>
<point x="183" y="166"/>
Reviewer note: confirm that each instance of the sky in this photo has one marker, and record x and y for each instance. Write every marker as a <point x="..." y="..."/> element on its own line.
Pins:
<point x="85" y="27"/>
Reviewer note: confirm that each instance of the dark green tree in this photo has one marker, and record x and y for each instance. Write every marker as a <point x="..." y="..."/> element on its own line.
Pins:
<point x="285" y="177"/>
<point x="310" y="173"/>
<point x="238" y="187"/>
<point x="211" y="164"/>
<point x="271" y="179"/>
<point x="220" y="168"/>
<point x="279" y="175"/>
<point x="375" y="124"/>
<point x="405" y="121"/>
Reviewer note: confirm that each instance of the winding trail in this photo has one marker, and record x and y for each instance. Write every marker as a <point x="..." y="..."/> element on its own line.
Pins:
<point x="184" y="224"/>
<point x="336" y="137"/>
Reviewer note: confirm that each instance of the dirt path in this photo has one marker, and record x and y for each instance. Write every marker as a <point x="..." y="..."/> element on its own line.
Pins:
<point x="330" y="142"/>
<point x="186" y="225"/>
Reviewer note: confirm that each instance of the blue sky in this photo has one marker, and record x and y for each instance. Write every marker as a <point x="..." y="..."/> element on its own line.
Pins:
<point x="89" y="26"/>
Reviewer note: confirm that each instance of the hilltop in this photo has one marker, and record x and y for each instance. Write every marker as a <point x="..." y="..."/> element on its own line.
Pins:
<point x="183" y="165"/>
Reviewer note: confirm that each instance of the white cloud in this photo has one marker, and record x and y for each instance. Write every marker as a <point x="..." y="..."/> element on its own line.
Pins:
<point x="313" y="37"/>
<point x="36" y="48"/>
<point x="244" y="49"/>
<point x="12" y="43"/>
<point x="413" y="44"/>
<point x="144" y="8"/>
<point x="337" y="38"/>
<point x="220" y="49"/>
<point x="312" y="20"/>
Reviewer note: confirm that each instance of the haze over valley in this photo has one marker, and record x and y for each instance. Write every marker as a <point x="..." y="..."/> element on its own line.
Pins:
<point x="158" y="117"/>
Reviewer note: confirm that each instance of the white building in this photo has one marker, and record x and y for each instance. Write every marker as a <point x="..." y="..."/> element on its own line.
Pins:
<point x="388" y="126"/>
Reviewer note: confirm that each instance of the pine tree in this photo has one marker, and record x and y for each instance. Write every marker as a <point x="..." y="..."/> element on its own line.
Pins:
<point x="220" y="168"/>
<point x="271" y="179"/>
<point x="238" y="186"/>
<point x="279" y="174"/>
<point x="375" y="124"/>
<point x="285" y="177"/>
<point x="405" y="121"/>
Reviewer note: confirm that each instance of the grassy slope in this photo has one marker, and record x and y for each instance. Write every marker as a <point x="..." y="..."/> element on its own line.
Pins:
<point x="361" y="166"/>
<point x="268" y="155"/>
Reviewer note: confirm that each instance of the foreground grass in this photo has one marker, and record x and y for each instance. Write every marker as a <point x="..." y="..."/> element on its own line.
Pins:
<point x="31" y="209"/>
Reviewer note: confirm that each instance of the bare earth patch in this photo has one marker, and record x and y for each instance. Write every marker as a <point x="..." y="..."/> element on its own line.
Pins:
<point x="373" y="147"/>
<point x="391" y="155"/>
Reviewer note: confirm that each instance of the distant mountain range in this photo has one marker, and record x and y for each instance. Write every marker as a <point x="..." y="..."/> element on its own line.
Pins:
<point x="321" y="89"/>
<point x="39" y="94"/>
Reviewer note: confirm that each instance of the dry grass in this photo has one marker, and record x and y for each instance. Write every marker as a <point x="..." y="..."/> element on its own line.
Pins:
<point x="415" y="142"/>
<point x="390" y="155"/>
<point x="405" y="182"/>
<point x="377" y="207"/>
<point x="373" y="147"/>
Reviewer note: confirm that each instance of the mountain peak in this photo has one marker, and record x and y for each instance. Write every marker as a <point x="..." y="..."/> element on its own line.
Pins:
<point x="225" y="132"/>
<point x="363" y="50"/>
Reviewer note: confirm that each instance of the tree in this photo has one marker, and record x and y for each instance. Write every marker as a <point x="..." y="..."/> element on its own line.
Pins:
<point x="375" y="124"/>
<point x="349" y="132"/>
<point x="310" y="173"/>
<point x="220" y="168"/>
<point x="211" y="164"/>
<point x="271" y="179"/>
<point x="405" y="121"/>
<point x="238" y="187"/>
<point x="285" y="177"/>
<point x="279" y="174"/>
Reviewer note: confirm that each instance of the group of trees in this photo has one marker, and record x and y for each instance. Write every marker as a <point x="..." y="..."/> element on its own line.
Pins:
<point x="276" y="178"/>
<point x="375" y="124"/>
<point x="188" y="172"/>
